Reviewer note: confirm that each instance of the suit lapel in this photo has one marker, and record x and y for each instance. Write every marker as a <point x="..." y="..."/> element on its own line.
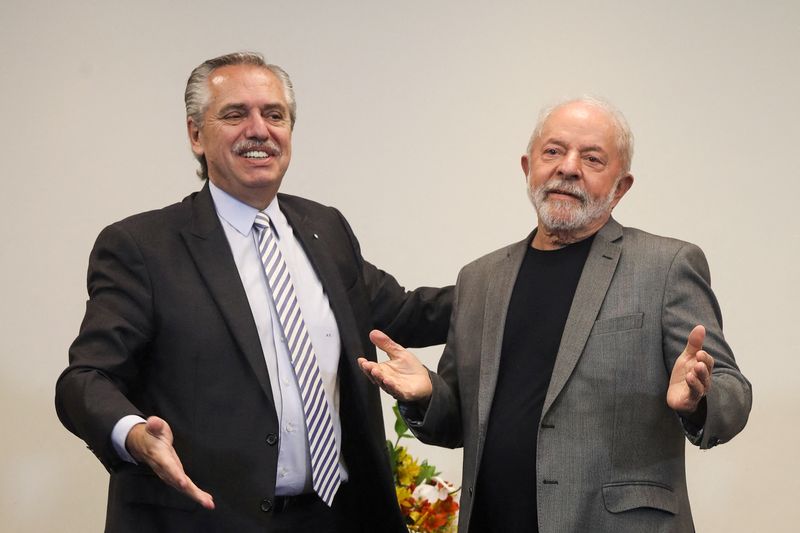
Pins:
<point x="589" y="295"/>
<point x="211" y="252"/>
<point x="502" y="277"/>
<point x="316" y="244"/>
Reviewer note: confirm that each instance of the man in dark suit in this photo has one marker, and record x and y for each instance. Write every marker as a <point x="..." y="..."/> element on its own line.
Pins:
<point x="576" y="365"/>
<point x="183" y="378"/>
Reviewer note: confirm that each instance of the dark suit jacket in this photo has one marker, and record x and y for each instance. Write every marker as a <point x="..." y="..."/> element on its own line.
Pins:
<point x="168" y="331"/>
<point x="610" y="452"/>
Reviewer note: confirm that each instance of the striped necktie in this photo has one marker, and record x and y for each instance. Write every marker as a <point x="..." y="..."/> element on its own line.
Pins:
<point x="321" y="438"/>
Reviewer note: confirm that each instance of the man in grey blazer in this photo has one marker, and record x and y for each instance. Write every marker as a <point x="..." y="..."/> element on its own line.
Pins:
<point x="579" y="358"/>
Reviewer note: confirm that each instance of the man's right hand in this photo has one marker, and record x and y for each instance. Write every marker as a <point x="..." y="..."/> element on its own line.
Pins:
<point x="151" y="443"/>
<point x="402" y="376"/>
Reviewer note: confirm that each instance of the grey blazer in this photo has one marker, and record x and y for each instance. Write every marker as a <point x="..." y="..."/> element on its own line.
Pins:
<point x="610" y="453"/>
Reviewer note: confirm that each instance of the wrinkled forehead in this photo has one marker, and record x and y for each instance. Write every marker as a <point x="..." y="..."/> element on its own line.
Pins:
<point x="579" y="121"/>
<point x="245" y="82"/>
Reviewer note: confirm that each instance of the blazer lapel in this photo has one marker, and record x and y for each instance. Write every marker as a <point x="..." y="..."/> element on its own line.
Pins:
<point x="315" y="243"/>
<point x="502" y="277"/>
<point x="211" y="252"/>
<point x="589" y="295"/>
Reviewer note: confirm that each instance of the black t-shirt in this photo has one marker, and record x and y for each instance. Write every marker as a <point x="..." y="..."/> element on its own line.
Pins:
<point x="505" y="493"/>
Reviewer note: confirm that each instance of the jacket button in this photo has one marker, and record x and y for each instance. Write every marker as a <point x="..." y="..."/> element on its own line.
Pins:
<point x="272" y="439"/>
<point x="470" y="491"/>
<point x="266" y="505"/>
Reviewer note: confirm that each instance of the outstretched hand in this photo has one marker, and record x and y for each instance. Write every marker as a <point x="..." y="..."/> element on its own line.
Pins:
<point x="151" y="443"/>
<point x="402" y="376"/>
<point x="691" y="375"/>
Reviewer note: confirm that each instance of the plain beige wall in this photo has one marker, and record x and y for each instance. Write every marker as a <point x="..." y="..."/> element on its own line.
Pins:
<point x="412" y="119"/>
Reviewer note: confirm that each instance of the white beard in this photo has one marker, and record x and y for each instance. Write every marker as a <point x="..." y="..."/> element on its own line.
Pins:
<point x="564" y="216"/>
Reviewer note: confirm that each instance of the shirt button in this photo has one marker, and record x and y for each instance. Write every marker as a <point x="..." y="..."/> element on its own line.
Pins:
<point x="285" y="381"/>
<point x="290" y="427"/>
<point x="272" y="439"/>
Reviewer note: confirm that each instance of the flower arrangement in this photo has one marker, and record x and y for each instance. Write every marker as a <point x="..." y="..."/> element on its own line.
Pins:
<point x="425" y="499"/>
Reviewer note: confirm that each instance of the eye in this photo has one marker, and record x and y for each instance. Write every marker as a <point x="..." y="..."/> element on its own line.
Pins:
<point x="594" y="161"/>
<point x="550" y="152"/>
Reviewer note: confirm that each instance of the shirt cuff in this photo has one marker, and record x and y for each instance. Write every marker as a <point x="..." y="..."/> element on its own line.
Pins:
<point x="694" y="423"/>
<point x="120" y="433"/>
<point x="412" y="413"/>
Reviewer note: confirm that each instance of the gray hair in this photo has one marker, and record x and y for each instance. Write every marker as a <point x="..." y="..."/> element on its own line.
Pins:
<point x="197" y="93"/>
<point x="624" y="137"/>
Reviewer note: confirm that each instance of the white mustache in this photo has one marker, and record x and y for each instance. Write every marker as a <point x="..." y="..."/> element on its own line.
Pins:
<point x="567" y="187"/>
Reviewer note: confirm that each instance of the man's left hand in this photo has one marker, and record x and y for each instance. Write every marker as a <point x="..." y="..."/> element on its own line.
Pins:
<point x="691" y="375"/>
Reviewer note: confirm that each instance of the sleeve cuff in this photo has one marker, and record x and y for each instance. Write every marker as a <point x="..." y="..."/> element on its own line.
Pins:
<point x="120" y="433"/>
<point x="693" y="424"/>
<point x="412" y="414"/>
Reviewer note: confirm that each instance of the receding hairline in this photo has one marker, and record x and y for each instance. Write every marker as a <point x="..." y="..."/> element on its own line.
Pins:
<point x="622" y="133"/>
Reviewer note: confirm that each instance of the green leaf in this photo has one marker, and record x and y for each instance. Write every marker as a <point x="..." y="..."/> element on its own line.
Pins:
<point x="392" y="459"/>
<point x="400" y="426"/>
<point x="426" y="472"/>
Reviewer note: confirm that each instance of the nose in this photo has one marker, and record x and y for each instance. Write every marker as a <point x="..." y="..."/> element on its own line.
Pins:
<point x="569" y="166"/>
<point x="256" y="127"/>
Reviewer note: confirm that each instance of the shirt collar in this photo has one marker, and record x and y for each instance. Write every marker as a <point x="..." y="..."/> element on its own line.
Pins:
<point x="240" y="215"/>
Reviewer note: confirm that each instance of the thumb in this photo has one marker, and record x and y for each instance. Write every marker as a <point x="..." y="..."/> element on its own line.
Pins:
<point x="385" y="343"/>
<point x="158" y="428"/>
<point x="695" y="341"/>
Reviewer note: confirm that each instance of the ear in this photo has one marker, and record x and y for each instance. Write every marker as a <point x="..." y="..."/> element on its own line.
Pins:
<point x="194" y="137"/>
<point x="526" y="162"/>
<point x="623" y="187"/>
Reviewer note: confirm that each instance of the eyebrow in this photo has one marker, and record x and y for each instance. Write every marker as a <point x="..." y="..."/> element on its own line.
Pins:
<point x="583" y="149"/>
<point x="238" y="106"/>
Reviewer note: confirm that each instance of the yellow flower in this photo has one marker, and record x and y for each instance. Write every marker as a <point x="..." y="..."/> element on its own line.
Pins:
<point x="403" y="494"/>
<point x="407" y="467"/>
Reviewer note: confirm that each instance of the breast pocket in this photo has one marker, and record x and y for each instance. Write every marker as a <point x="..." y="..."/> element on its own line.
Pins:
<point x="617" y="324"/>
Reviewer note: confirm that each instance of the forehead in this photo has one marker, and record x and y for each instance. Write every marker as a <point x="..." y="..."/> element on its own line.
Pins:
<point x="245" y="84"/>
<point x="580" y="123"/>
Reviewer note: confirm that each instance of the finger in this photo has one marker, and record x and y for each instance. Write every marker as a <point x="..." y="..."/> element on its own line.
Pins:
<point x="184" y="484"/>
<point x="385" y="343"/>
<point x="167" y="466"/>
<point x="369" y="368"/>
<point x="695" y="340"/>
<point x="200" y="496"/>
<point x="158" y="428"/>
<point x="705" y="357"/>
<point x="696" y="387"/>
<point x="703" y="373"/>
<point x="365" y="365"/>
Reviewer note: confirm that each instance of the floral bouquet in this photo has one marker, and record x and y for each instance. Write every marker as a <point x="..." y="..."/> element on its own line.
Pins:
<point x="426" y="500"/>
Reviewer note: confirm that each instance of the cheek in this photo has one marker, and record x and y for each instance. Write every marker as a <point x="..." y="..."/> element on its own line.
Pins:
<point x="537" y="177"/>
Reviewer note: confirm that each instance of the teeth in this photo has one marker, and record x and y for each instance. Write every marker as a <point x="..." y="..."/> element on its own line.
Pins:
<point x="255" y="154"/>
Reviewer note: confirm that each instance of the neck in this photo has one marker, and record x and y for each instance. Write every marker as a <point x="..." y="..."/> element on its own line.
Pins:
<point x="553" y="239"/>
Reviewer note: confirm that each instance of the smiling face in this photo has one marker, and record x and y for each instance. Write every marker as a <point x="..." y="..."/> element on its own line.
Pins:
<point x="575" y="174"/>
<point x="246" y="134"/>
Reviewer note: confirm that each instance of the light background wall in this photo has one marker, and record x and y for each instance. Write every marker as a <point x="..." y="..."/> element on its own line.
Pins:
<point x="412" y="119"/>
